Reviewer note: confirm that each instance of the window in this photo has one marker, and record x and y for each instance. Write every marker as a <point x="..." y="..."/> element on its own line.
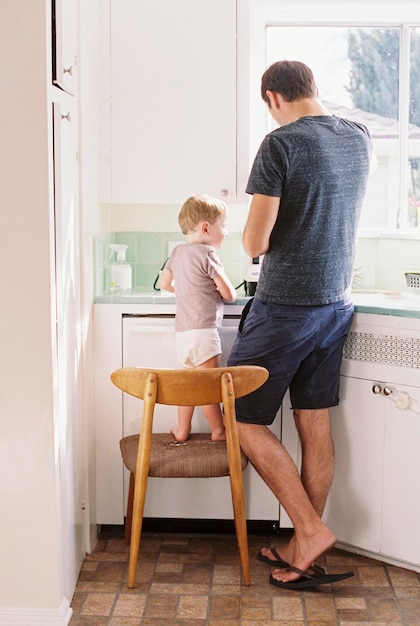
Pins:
<point x="366" y="69"/>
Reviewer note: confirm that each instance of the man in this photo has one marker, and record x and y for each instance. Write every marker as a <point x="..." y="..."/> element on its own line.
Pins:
<point x="308" y="182"/>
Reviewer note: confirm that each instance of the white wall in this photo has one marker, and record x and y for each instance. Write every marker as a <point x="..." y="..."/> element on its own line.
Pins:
<point x="38" y="541"/>
<point x="29" y="535"/>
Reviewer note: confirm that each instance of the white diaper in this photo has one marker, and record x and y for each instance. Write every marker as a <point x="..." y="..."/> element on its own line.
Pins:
<point x="194" y="347"/>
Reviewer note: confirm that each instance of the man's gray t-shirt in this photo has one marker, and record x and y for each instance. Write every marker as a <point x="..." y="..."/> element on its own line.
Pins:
<point x="318" y="166"/>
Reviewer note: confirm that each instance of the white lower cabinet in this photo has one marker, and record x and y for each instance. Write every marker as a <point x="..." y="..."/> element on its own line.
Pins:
<point x="144" y="335"/>
<point x="374" y="503"/>
<point x="401" y="493"/>
<point x="354" y="505"/>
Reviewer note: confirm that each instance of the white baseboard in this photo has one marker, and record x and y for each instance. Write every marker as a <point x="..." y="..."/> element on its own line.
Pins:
<point x="13" y="616"/>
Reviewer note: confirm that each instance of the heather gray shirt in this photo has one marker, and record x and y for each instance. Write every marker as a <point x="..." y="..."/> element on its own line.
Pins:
<point x="319" y="166"/>
<point x="198" y="301"/>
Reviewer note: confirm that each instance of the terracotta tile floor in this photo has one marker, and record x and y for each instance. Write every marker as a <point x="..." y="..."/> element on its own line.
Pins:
<point x="194" y="580"/>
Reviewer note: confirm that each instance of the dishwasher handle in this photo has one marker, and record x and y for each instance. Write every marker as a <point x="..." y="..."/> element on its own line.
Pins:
<point x="137" y="329"/>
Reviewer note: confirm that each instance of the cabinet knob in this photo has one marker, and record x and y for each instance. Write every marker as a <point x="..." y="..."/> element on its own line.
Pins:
<point x="387" y="391"/>
<point x="224" y="192"/>
<point x="377" y="388"/>
<point x="68" y="70"/>
<point x="66" y="117"/>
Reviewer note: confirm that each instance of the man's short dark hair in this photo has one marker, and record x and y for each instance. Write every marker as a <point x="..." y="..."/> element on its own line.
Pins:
<point x="293" y="80"/>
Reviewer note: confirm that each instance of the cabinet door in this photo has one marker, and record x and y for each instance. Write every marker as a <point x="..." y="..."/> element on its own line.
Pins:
<point x="401" y="497"/>
<point x="150" y="340"/>
<point x="173" y="100"/>
<point x="64" y="44"/>
<point x="354" y="505"/>
<point x="68" y="340"/>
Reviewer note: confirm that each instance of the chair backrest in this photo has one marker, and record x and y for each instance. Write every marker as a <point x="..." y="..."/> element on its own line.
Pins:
<point x="187" y="387"/>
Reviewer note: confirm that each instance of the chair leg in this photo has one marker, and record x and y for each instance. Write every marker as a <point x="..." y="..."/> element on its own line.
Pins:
<point x="142" y="471"/>
<point x="129" y="516"/>
<point x="137" y="522"/>
<point x="140" y="485"/>
<point x="236" y="483"/>
<point x="236" y="477"/>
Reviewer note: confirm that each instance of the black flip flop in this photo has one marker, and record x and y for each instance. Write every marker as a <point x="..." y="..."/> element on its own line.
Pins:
<point x="310" y="578"/>
<point x="281" y="564"/>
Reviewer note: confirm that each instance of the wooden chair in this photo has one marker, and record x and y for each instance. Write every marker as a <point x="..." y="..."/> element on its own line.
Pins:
<point x="150" y="454"/>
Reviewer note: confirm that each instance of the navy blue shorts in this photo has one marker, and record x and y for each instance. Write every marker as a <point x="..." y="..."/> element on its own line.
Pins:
<point x="301" y="346"/>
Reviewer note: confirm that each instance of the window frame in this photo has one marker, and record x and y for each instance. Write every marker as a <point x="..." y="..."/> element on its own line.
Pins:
<point x="254" y="16"/>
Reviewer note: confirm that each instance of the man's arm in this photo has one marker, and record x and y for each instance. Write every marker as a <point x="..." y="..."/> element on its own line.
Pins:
<point x="260" y="222"/>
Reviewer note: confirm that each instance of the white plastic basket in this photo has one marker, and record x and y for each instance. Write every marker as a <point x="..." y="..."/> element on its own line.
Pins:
<point x="413" y="279"/>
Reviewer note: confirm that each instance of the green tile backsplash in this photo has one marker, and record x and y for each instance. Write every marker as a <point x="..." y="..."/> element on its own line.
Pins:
<point x="147" y="252"/>
<point x="380" y="262"/>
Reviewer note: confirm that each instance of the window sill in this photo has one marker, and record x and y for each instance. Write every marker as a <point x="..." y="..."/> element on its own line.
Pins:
<point x="390" y="233"/>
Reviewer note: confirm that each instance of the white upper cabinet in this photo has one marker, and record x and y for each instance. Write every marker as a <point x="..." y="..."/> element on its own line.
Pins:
<point x="64" y="44"/>
<point x="172" y="101"/>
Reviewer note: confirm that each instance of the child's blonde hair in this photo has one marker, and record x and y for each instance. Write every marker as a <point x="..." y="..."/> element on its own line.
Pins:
<point x="200" y="208"/>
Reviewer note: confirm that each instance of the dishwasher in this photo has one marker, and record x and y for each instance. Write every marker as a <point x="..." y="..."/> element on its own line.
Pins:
<point x="149" y="341"/>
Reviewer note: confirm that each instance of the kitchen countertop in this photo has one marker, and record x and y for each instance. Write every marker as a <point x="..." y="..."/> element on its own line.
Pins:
<point x="401" y="304"/>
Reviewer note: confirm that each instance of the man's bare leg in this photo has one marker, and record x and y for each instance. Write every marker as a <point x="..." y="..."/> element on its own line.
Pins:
<point x="317" y="457"/>
<point x="317" y="454"/>
<point x="271" y="460"/>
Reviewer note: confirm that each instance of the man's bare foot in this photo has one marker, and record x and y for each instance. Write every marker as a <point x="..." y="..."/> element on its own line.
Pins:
<point x="303" y="552"/>
<point x="218" y="435"/>
<point x="181" y="436"/>
<point x="270" y="555"/>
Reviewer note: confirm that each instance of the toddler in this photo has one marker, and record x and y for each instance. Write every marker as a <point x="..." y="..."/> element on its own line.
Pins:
<point x="197" y="277"/>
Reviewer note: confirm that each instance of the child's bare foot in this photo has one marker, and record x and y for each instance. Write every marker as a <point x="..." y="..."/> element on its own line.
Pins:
<point x="218" y="435"/>
<point x="181" y="436"/>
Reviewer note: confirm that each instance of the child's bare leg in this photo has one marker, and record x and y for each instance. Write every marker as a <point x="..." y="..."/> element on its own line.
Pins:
<point x="213" y="412"/>
<point x="182" y="432"/>
<point x="214" y="417"/>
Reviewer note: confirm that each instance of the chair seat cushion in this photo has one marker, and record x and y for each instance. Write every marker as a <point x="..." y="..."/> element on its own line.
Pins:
<point x="199" y="457"/>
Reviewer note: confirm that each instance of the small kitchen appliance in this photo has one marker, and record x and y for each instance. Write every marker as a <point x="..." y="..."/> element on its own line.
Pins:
<point x="253" y="274"/>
